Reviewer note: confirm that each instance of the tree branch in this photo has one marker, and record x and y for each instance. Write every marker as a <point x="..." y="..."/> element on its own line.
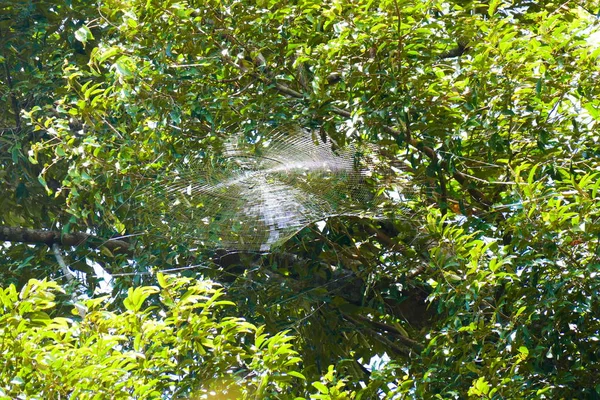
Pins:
<point x="70" y="277"/>
<point x="39" y="236"/>
<point x="61" y="262"/>
<point x="403" y="351"/>
<point x="388" y="328"/>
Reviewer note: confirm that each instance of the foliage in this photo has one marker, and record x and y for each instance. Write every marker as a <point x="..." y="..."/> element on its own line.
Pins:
<point x="35" y="40"/>
<point x="180" y="345"/>
<point x="481" y="283"/>
<point x="533" y="299"/>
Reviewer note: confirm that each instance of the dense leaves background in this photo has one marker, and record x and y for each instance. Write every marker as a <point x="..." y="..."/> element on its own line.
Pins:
<point x="477" y="277"/>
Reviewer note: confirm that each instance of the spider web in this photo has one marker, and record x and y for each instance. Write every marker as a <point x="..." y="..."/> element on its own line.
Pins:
<point x="258" y="195"/>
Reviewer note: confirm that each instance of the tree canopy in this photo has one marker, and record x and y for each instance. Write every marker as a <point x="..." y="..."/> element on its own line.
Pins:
<point x="339" y="199"/>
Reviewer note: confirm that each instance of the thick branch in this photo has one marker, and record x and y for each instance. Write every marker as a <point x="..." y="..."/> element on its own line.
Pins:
<point x="35" y="236"/>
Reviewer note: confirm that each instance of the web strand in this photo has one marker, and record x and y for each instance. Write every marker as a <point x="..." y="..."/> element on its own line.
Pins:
<point x="257" y="195"/>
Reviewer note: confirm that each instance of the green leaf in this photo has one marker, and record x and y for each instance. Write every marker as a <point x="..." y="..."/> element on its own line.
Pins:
<point x="123" y="66"/>
<point x="296" y="374"/>
<point x="321" y="387"/>
<point x="84" y="34"/>
<point x="106" y="54"/>
<point x="17" y="380"/>
<point x="493" y="6"/>
<point x="520" y="311"/>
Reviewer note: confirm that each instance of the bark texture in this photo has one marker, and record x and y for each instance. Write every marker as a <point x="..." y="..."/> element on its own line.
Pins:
<point x="40" y="236"/>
